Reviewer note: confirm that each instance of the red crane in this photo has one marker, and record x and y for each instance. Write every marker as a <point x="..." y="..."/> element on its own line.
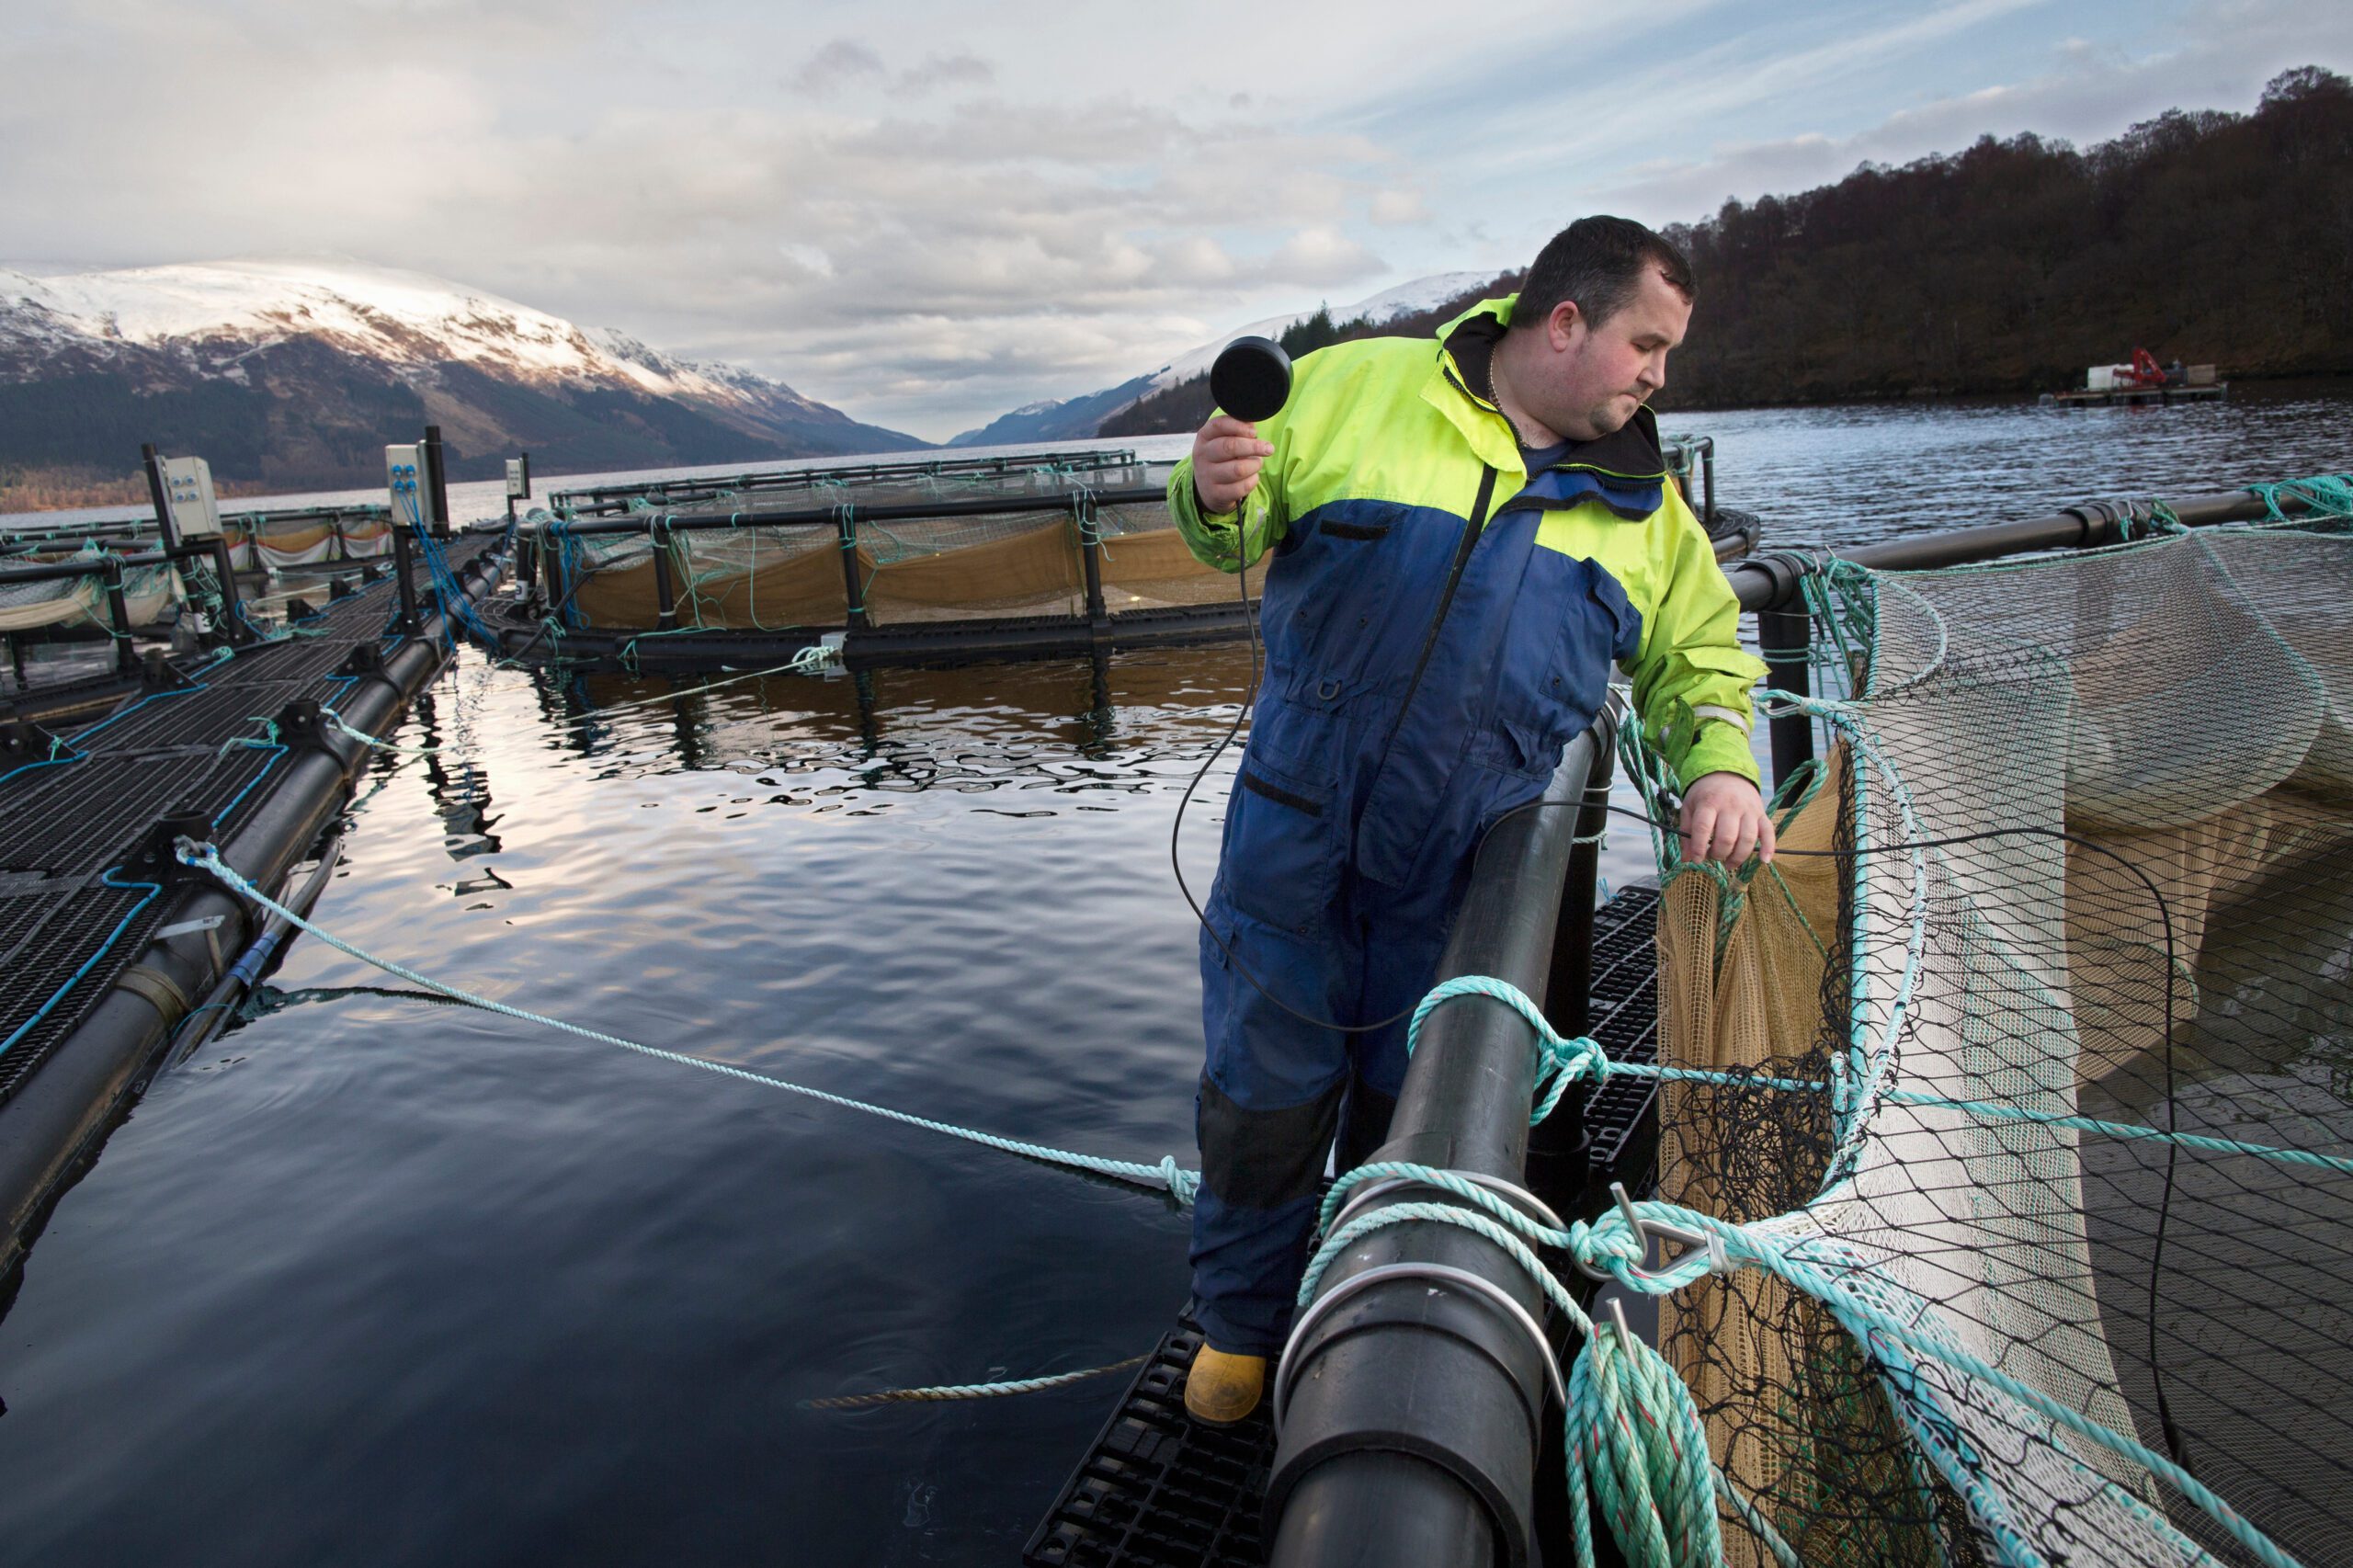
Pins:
<point x="2144" y="371"/>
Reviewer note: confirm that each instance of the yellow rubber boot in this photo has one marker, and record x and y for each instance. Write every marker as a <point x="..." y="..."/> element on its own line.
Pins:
<point x="1222" y="1389"/>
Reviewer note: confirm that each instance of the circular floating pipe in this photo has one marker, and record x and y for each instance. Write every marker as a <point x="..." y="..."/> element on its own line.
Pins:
<point x="1414" y="1409"/>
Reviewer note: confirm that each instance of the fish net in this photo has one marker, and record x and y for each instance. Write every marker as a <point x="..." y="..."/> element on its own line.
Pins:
<point x="2067" y="956"/>
<point x="1030" y="560"/>
<point x="81" y="602"/>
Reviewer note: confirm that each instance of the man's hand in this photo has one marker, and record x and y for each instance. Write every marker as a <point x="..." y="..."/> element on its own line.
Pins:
<point x="1227" y="455"/>
<point x="1724" y="819"/>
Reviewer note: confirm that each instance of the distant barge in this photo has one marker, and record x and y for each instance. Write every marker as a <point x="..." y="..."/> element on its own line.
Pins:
<point x="2142" y="380"/>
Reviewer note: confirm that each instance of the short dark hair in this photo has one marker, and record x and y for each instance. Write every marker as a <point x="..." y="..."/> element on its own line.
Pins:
<point x="1598" y="263"/>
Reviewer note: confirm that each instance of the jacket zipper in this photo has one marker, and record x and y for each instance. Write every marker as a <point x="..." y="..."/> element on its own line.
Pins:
<point x="1446" y="601"/>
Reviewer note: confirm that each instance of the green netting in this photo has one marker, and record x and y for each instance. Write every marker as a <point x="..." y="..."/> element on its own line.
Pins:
<point x="2184" y="707"/>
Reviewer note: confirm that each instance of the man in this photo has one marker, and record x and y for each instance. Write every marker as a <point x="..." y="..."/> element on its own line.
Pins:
<point x="1465" y="536"/>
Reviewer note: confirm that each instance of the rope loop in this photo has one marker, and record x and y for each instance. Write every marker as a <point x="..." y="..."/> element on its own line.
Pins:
<point x="1561" y="1061"/>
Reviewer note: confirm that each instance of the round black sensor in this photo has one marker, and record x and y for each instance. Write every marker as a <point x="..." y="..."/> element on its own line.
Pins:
<point x="1251" y="378"/>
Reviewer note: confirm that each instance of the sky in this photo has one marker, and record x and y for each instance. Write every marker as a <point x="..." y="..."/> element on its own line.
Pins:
<point x="928" y="213"/>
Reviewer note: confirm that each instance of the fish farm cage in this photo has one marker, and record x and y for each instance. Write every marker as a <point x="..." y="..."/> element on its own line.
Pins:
<point x="1991" y="1201"/>
<point x="1043" y="553"/>
<point x="279" y="539"/>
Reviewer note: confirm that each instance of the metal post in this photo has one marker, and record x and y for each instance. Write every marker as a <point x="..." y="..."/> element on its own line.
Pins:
<point x="1787" y="638"/>
<point x="1708" y="482"/>
<point x="165" y="527"/>
<point x="1412" y="1418"/>
<point x="1090" y="550"/>
<point x="845" y="519"/>
<point x="232" y="627"/>
<point x="664" y="595"/>
<point x="553" y="594"/>
<point x="437" y="489"/>
<point x="406" y="586"/>
<point x="126" y="657"/>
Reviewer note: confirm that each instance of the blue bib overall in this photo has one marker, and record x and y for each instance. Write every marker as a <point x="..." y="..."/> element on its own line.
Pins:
<point x="1424" y="671"/>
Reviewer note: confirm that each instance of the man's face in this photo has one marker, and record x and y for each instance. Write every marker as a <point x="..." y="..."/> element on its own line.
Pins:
<point x="1601" y="375"/>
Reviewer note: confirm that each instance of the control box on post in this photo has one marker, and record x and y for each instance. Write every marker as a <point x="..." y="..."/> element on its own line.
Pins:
<point x="188" y="494"/>
<point x="518" y="478"/>
<point x="404" y="478"/>
<point x="404" y="481"/>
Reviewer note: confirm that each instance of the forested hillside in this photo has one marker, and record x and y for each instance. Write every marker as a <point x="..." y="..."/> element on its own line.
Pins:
<point x="2202" y="235"/>
<point x="2199" y="235"/>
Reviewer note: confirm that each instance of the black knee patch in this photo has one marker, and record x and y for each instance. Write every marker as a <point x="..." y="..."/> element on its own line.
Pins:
<point x="1263" y="1159"/>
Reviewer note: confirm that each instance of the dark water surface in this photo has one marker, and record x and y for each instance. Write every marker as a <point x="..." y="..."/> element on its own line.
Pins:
<point x="377" y="1280"/>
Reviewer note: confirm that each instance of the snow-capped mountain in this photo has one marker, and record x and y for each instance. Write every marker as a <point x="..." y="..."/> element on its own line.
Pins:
<point x="297" y="371"/>
<point x="1080" y="416"/>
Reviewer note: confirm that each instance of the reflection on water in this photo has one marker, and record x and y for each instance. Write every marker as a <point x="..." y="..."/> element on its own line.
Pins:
<point x="376" y="1280"/>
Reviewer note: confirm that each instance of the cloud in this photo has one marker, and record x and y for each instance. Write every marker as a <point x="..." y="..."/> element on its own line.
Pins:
<point x="958" y="69"/>
<point x="927" y="225"/>
<point x="840" y="63"/>
<point x="1321" y="254"/>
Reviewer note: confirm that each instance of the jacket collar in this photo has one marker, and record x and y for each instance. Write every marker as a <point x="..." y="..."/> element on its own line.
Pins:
<point x="1461" y="387"/>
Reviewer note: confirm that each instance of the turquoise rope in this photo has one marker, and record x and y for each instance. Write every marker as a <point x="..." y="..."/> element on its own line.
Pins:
<point x="1610" y="1247"/>
<point x="970" y="1391"/>
<point x="1180" y="1183"/>
<point x="1561" y="1060"/>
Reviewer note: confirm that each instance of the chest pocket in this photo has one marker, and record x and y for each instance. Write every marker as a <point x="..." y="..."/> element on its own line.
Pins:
<point x="1570" y="622"/>
<point x="1354" y="566"/>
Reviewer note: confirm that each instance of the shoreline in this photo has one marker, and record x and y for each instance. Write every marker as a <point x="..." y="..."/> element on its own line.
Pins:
<point x="131" y="494"/>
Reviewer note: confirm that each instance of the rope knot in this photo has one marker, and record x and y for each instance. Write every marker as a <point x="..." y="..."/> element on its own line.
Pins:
<point x="1182" y="1184"/>
<point x="1560" y="1059"/>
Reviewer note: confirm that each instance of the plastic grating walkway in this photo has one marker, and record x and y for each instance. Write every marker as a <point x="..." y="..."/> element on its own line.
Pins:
<point x="1623" y="1014"/>
<point x="1158" y="1490"/>
<point x="70" y="920"/>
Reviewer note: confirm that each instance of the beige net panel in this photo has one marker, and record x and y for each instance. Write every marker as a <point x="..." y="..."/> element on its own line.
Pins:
<point x="147" y="593"/>
<point x="930" y="569"/>
<point x="2182" y="707"/>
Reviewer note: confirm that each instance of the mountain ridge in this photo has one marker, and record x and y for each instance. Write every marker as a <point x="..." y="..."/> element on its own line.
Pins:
<point x="293" y="373"/>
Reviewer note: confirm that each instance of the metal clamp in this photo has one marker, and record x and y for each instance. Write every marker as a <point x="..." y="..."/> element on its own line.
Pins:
<point x="1519" y="1197"/>
<point x="1700" y="1240"/>
<point x="1445" y="1274"/>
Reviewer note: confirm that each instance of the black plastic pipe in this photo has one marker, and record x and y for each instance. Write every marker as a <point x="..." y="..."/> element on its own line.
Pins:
<point x="1558" y="1150"/>
<point x="154" y="462"/>
<point x="1771" y="582"/>
<point x="1090" y="550"/>
<point x="126" y="651"/>
<point x="52" y="571"/>
<point x="853" y="586"/>
<point x="1786" y="637"/>
<point x="828" y="516"/>
<point x="665" y="596"/>
<point x="1415" y="1410"/>
<point x="437" y="490"/>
